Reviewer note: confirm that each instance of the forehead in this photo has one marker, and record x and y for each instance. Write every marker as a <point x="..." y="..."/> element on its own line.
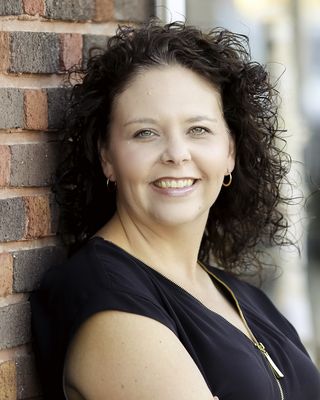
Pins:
<point x="163" y="90"/>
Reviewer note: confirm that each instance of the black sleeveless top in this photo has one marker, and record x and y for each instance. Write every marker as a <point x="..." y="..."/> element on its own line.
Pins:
<point x="102" y="276"/>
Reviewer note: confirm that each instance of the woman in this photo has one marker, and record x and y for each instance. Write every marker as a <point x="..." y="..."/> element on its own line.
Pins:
<point x="173" y="166"/>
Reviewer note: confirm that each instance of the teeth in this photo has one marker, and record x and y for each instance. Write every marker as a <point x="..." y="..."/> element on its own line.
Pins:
<point x="181" y="183"/>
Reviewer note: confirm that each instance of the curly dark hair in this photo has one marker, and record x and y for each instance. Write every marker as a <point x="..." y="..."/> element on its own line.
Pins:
<point x="246" y="216"/>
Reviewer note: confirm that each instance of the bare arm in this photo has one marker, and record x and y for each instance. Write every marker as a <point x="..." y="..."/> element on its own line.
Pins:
<point x="122" y="356"/>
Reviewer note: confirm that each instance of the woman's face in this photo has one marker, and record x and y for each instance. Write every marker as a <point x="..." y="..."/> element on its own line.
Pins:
<point x="169" y="147"/>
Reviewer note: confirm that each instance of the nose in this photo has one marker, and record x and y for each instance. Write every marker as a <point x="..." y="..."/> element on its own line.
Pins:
<point x="176" y="151"/>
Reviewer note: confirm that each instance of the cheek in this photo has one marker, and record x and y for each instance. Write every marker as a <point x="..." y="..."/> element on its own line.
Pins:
<point x="131" y="164"/>
<point x="216" y="157"/>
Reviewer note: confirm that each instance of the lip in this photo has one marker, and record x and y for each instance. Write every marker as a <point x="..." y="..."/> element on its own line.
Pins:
<point x="173" y="182"/>
<point x="176" y="191"/>
<point x="174" y="178"/>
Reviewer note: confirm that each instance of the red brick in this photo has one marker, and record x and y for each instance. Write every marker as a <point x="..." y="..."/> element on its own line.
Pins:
<point x="34" y="7"/>
<point x="13" y="219"/>
<point x="35" y="109"/>
<point x="29" y="266"/>
<point x="38" y="216"/>
<point x="15" y="325"/>
<point x="70" y="50"/>
<point x="5" y="161"/>
<point x="8" y="381"/>
<point x="28" y="385"/>
<point x="58" y="103"/>
<point x="11" y="108"/>
<point x="133" y="10"/>
<point x="5" y="51"/>
<point x="104" y="10"/>
<point x="34" y="52"/>
<point x="33" y="164"/>
<point x="75" y="10"/>
<point x="11" y="7"/>
<point x="6" y="274"/>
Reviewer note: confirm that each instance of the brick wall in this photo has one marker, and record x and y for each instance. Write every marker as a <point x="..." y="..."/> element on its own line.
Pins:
<point x="39" y="40"/>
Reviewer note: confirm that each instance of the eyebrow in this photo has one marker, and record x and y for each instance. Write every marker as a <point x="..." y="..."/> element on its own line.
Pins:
<point x="140" y="121"/>
<point x="197" y="118"/>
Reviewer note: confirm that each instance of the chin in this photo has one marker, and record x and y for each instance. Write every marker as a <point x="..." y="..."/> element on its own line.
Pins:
<point x="180" y="218"/>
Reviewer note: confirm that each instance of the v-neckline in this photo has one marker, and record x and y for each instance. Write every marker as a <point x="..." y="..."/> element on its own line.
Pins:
<point x="216" y="281"/>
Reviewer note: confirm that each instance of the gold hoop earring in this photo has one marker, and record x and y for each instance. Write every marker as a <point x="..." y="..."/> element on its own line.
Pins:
<point x="226" y="184"/>
<point x="109" y="187"/>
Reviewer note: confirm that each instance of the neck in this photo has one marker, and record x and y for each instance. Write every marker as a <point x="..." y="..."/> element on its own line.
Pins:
<point x="173" y="251"/>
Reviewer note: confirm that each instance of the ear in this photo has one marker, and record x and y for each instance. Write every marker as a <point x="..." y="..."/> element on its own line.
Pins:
<point x="232" y="154"/>
<point x="106" y="163"/>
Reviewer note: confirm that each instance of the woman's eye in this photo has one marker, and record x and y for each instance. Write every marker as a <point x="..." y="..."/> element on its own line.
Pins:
<point x="145" y="133"/>
<point x="199" y="131"/>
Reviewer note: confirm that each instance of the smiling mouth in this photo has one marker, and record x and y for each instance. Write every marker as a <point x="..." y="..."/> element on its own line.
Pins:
<point x="174" y="183"/>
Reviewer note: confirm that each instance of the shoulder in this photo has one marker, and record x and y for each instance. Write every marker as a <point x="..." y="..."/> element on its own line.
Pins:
<point x="126" y="356"/>
<point x="243" y="290"/>
<point x="100" y="276"/>
<point x="248" y="295"/>
<point x="122" y="337"/>
<point x="98" y="266"/>
<point x="255" y="301"/>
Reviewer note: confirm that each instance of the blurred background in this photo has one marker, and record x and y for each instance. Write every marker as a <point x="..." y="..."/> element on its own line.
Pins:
<point x="285" y="36"/>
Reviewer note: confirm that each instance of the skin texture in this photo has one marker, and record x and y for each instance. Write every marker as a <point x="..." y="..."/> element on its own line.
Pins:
<point x="132" y="357"/>
<point x="167" y="125"/>
<point x="182" y="136"/>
